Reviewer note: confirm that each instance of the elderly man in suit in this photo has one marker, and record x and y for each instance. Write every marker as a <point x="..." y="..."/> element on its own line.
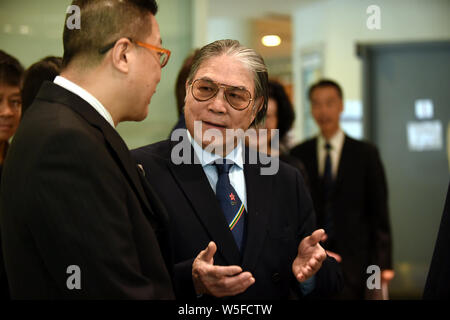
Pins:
<point x="77" y="219"/>
<point x="235" y="232"/>
<point x="349" y="192"/>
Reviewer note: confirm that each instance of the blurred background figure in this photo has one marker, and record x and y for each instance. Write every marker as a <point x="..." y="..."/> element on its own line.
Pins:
<point x="349" y="191"/>
<point x="180" y="89"/>
<point x="280" y="116"/>
<point x="11" y="72"/>
<point x="386" y="73"/>
<point x="438" y="280"/>
<point x="44" y="70"/>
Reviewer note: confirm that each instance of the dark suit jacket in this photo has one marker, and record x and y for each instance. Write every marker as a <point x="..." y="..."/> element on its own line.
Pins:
<point x="72" y="195"/>
<point x="360" y="210"/>
<point x="438" y="280"/>
<point x="280" y="215"/>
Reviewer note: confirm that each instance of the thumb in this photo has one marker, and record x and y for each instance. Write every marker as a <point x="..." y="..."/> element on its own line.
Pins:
<point x="316" y="236"/>
<point x="208" y="254"/>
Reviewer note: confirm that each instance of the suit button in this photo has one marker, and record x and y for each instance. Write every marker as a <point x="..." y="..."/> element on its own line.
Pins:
<point x="276" y="277"/>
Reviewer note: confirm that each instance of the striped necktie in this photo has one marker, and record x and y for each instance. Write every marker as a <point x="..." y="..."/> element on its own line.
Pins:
<point x="231" y="205"/>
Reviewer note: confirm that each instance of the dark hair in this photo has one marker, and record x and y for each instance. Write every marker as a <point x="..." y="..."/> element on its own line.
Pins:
<point x="103" y="22"/>
<point x="180" y="86"/>
<point x="323" y="83"/>
<point x="45" y="69"/>
<point x="11" y="71"/>
<point x="248" y="57"/>
<point x="285" y="110"/>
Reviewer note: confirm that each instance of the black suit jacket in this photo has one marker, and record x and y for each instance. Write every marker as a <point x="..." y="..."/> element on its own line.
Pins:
<point x="438" y="279"/>
<point x="280" y="215"/>
<point x="72" y="195"/>
<point x="360" y="210"/>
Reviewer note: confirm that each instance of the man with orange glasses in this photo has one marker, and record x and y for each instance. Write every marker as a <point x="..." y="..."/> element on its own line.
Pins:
<point x="78" y="221"/>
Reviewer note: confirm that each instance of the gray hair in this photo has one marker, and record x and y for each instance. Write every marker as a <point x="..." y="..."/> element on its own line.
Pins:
<point x="248" y="57"/>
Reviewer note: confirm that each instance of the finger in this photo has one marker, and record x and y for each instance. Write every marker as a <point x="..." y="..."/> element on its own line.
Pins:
<point x="226" y="271"/>
<point x="313" y="263"/>
<point x="316" y="236"/>
<point x="324" y="237"/>
<point x="237" y="284"/>
<point x="334" y="255"/>
<point x="300" y="277"/>
<point x="208" y="254"/>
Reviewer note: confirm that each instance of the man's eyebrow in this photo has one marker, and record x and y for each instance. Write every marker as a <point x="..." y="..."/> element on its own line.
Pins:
<point x="14" y="95"/>
<point x="237" y="87"/>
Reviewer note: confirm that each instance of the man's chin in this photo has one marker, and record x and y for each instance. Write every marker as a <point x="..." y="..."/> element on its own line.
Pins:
<point x="218" y="146"/>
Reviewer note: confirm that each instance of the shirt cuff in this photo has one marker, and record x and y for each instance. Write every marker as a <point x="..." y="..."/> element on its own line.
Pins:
<point x="306" y="287"/>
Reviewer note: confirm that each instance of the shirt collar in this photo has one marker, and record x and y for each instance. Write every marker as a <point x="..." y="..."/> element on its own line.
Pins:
<point x="83" y="94"/>
<point x="336" y="141"/>
<point x="207" y="158"/>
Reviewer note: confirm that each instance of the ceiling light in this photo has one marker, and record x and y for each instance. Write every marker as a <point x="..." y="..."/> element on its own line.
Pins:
<point x="271" y="40"/>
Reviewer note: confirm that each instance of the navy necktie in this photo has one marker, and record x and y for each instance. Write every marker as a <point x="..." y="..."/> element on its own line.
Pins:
<point x="327" y="181"/>
<point x="327" y="174"/>
<point x="231" y="205"/>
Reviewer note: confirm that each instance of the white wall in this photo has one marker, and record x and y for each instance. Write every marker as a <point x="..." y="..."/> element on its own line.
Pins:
<point x="337" y="25"/>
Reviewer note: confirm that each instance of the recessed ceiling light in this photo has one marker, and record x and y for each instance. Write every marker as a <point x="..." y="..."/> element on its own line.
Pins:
<point x="271" y="40"/>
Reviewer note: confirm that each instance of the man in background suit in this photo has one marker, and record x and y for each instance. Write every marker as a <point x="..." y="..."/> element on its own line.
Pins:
<point x="438" y="280"/>
<point x="11" y="74"/>
<point x="235" y="232"/>
<point x="349" y="192"/>
<point x="77" y="220"/>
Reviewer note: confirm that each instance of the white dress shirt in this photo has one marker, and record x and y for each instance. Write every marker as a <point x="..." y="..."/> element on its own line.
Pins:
<point x="83" y="94"/>
<point x="336" y="142"/>
<point x="236" y="174"/>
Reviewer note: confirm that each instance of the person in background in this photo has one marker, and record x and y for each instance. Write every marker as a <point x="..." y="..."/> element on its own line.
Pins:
<point x="349" y="191"/>
<point x="235" y="232"/>
<point x="11" y="72"/>
<point x="45" y="69"/>
<point x="180" y="89"/>
<point x="78" y="219"/>
<point x="437" y="285"/>
<point x="281" y="115"/>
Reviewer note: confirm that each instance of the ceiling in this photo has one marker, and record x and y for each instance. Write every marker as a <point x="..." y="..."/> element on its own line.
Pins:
<point x="254" y="8"/>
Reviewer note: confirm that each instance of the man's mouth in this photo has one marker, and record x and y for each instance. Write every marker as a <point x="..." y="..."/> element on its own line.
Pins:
<point x="5" y="126"/>
<point x="216" y="125"/>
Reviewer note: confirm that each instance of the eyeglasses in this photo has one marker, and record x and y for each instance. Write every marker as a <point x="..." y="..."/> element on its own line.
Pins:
<point x="164" y="54"/>
<point x="238" y="98"/>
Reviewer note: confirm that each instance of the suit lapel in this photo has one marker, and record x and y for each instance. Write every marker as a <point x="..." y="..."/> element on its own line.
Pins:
<point x="192" y="180"/>
<point x="259" y="205"/>
<point x="53" y="92"/>
<point x="314" y="162"/>
<point x="343" y="162"/>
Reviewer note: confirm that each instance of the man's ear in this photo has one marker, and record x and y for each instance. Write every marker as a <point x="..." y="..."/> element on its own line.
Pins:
<point x="187" y="89"/>
<point x="258" y="105"/>
<point x="121" y="54"/>
<point x="256" y="108"/>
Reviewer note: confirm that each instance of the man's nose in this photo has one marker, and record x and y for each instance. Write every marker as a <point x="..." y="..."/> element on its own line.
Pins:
<point x="5" y="109"/>
<point x="218" y="102"/>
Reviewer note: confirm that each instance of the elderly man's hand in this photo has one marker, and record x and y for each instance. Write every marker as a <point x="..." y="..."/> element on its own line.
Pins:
<point x="218" y="281"/>
<point x="310" y="256"/>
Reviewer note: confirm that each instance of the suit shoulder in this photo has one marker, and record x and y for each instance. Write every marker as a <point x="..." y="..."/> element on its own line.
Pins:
<point x="159" y="150"/>
<point x="304" y="147"/>
<point x="287" y="172"/>
<point x="363" y="146"/>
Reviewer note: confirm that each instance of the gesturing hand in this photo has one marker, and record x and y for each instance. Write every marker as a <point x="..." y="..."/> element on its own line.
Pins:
<point x="218" y="281"/>
<point x="309" y="257"/>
